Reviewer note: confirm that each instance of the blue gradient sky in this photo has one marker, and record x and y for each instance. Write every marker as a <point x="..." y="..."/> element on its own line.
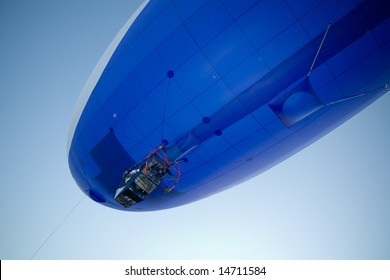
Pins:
<point x="329" y="201"/>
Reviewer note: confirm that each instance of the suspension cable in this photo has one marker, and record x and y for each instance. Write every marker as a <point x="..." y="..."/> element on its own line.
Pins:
<point x="319" y="48"/>
<point x="58" y="226"/>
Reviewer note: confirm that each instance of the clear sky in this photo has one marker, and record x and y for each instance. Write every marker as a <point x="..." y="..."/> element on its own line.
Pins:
<point x="329" y="201"/>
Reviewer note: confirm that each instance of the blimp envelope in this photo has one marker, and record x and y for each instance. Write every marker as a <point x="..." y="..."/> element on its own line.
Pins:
<point x="194" y="97"/>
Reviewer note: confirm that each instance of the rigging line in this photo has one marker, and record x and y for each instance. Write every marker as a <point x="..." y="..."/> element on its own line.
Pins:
<point x="323" y="38"/>
<point x="319" y="48"/>
<point x="346" y="99"/>
<point x="165" y="108"/>
<point x="58" y="226"/>
<point x="385" y="86"/>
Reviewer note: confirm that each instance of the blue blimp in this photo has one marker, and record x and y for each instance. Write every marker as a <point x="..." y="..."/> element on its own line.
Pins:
<point x="194" y="97"/>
